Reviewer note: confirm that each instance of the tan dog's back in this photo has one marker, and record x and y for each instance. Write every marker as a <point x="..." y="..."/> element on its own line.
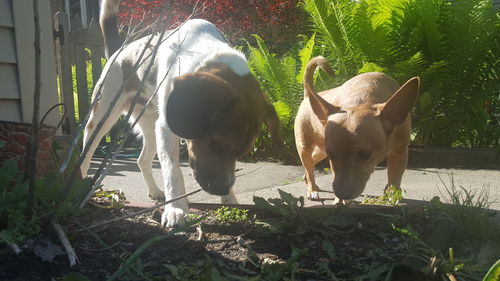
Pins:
<point x="366" y="88"/>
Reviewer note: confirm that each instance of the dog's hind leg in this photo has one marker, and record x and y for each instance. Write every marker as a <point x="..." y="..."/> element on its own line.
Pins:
<point x="306" y="157"/>
<point x="145" y="160"/>
<point x="318" y="155"/>
<point x="96" y="116"/>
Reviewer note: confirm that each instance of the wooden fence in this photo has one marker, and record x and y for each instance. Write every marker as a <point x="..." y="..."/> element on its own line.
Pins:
<point x="78" y="50"/>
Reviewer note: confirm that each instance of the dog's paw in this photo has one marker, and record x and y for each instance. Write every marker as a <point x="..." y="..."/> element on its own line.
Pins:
<point x="229" y="199"/>
<point x="172" y="217"/>
<point x="341" y="202"/>
<point x="313" y="196"/>
<point x="157" y="195"/>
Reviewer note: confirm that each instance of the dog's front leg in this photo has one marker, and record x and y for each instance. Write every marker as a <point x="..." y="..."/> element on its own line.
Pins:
<point x="396" y="165"/>
<point x="230" y="198"/>
<point x="168" y="153"/>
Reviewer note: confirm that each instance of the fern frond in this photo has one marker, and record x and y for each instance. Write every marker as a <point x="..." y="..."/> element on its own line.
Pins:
<point x="267" y="66"/>
<point x="413" y="66"/>
<point x="305" y="55"/>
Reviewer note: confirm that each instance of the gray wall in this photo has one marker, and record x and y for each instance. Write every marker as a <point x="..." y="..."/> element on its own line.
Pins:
<point x="10" y="96"/>
<point x="17" y="61"/>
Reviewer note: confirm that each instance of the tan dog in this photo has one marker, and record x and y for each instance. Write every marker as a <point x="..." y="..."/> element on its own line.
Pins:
<point x="357" y="125"/>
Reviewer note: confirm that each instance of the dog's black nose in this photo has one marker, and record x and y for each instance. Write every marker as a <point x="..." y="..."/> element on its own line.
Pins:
<point x="217" y="186"/>
<point x="345" y="193"/>
<point x="344" y="196"/>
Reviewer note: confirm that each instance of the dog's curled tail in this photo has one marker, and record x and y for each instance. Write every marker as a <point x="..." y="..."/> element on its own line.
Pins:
<point x="309" y="73"/>
<point x="108" y="19"/>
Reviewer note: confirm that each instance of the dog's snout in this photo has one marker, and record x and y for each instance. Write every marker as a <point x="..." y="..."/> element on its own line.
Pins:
<point x="216" y="185"/>
<point x="342" y="194"/>
<point x="347" y="190"/>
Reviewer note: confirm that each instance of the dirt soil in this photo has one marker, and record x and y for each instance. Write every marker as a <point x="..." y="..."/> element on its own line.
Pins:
<point x="345" y="247"/>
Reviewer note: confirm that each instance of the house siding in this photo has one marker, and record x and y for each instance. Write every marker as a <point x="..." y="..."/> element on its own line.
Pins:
<point x="17" y="61"/>
<point x="10" y="98"/>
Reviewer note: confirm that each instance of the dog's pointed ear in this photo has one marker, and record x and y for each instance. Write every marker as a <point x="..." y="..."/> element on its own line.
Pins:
<point x="320" y="106"/>
<point x="397" y="108"/>
<point x="194" y="102"/>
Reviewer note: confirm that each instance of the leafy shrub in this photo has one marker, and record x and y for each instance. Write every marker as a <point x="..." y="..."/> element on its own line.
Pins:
<point x="392" y="196"/>
<point x="52" y="200"/>
<point x="281" y="79"/>
<point x="452" y="45"/>
<point x="279" y="20"/>
<point x="230" y="215"/>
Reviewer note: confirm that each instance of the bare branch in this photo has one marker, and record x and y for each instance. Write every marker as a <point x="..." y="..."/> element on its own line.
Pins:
<point x="147" y="210"/>
<point x="113" y="152"/>
<point x="70" y="251"/>
<point x="13" y="246"/>
<point x="32" y="151"/>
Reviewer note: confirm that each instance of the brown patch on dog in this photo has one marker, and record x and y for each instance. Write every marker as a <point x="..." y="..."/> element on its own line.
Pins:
<point x="221" y="113"/>
<point x="94" y="108"/>
<point x="130" y="79"/>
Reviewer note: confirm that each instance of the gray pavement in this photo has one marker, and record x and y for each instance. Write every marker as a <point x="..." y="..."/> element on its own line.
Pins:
<point x="264" y="179"/>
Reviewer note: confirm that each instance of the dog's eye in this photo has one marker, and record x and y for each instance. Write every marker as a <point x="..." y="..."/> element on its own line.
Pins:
<point x="218" y="147"/>
<point x="364" y="155"/>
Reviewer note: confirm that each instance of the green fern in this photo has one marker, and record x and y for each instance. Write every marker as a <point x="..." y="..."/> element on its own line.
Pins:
<point x="305" y="55"/>
<point x="333" y="23"/>
<point x="281" y="78"/>
<point x="452" y="45"/>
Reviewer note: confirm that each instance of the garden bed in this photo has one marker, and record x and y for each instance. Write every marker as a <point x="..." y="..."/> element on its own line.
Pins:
<point x="279" y="240"/>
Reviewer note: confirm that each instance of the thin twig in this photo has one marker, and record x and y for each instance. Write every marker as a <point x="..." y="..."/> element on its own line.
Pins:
<point x="31" y="155"/>
<point x="78" y="132"/>
<point x="131" y="36"/>
<point x="104" y="118"/>
<point x="105" y="249"/>
<point x="147" y="210"/>
<point x="254" y="170"/>
<point x="13" y="246"/>
<point x="143" y="57"/>
<point x="70" y="251"/>
<point x="105" y="164"/>
<point x="199" y="231"/>
<point x="114" y="253"/>
<point x="129" y="114"/>
<point x="145" y="246"/>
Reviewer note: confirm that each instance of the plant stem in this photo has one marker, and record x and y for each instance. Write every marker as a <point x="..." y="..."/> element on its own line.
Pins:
<point x="70" y="251"/>
<point x="142" y="211"/>
<point x="32" y="151"/>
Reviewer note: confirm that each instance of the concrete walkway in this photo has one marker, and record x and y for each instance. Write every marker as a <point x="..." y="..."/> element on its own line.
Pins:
<point x="264" y="179"/>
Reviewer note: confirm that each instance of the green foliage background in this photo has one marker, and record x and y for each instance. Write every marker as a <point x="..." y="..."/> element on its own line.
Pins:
<point x="452" y="45"/>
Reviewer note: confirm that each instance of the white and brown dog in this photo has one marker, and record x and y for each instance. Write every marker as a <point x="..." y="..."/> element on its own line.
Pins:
<point x="206" y="95"/>
<point x="357" y="126"/>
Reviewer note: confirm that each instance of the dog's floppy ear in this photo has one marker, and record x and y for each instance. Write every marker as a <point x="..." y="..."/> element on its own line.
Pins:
<point x="320" y="106"/>
<point x="397" y="108"/>
<point x="272" y="123"/>
<point x="194" y="102"/>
